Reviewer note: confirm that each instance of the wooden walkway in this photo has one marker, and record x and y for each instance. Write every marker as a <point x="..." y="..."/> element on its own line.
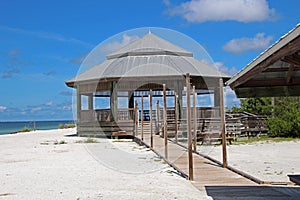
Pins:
<point x="213" y="179"/>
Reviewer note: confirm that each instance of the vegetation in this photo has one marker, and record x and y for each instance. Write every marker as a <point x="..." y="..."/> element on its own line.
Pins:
<point x="286" y="119"/>
<point x="25" y="129"/>
<point x="63" y="126"/>
<point x="283" y="116"/>
<point x="59" y="142"/>
<point x="88" y="140"/>
<point x="264" y="139"/>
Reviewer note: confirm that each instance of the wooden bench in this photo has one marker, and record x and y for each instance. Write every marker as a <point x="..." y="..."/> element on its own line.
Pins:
<point x="295" y="179"/>
<point x="120" y="133"/>
<point x="211" y="137"/>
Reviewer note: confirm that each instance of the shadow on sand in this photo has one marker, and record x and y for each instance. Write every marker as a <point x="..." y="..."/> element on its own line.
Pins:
<point x="253" y="192"/>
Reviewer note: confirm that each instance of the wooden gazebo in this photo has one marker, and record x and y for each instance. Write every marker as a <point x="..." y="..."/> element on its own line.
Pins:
<point x="147" y="63"/>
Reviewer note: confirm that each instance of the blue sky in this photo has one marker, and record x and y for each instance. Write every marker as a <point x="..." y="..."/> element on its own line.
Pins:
<point x="43" y="42"/>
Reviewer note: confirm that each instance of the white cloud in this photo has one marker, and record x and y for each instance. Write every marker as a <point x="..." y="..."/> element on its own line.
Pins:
<point x="239" y="45"/>
<point x="47" y="35"/>
<point x="199" y="11"/>
<point x="2" y="108"/>
<point x="113" y="46"/>
<point x="36" y="109"/>
<point x="66" y="108"/>
<point x="221" y="67"/>
<point x="230" y="98"/>
<point x="167" y="2"/>
<point x="50" y="103"/>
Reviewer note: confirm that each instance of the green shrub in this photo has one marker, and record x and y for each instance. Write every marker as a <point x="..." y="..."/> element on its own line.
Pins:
<point x="286" y="119"/>
<point x="87" y="140"/>
<point x="59" y="142"/>
<point x="63" y="126"/>
<point x="25" y="129"/>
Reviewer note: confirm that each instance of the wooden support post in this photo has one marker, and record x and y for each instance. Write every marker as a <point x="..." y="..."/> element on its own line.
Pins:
<point x="91" y="101"/>
<point x="217" y="97"/>
<point x="165" y="121"/>
<point x="176" y="117"/>
<point x="34" y="125"/>
<point x="195" y="118"/>
<point x="136" y="119"/>
<point x="190" y="150"/>
<point x="222" y="111"/>
<point x="113" y="102"/>
<point x="157" y="116"/>
<point x="78" y="105"/>
<point x="142" y="117"/>
<point x="151" y="129"/>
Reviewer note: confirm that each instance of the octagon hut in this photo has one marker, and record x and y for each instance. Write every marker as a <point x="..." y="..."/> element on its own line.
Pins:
<point x="130" y="73"/>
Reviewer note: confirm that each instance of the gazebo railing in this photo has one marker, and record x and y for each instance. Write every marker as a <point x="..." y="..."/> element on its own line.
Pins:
<point x="103" y="115"/>
<point x="125" y="114"/>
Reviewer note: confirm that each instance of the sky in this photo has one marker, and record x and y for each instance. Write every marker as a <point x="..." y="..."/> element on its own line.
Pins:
<point x="44" y="42"/>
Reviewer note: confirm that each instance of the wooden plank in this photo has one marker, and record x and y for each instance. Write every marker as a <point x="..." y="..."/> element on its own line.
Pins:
<point x="224" y="152"/>
<point x="188" y="102"/>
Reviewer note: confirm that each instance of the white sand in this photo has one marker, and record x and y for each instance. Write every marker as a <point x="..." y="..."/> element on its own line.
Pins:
<point x="267" y="161"/>
<point x="32" y="166"/>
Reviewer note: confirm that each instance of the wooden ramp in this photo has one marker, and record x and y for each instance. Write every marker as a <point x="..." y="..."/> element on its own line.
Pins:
<point x="206" y="172"/>
<point x="212" y="178"/>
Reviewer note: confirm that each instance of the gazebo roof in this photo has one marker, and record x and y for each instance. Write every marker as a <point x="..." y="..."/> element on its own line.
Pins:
<point x="149" y="56"/>
<point x="275" y="72"/>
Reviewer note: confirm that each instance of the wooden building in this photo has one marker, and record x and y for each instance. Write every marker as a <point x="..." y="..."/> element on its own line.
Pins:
<point x="130" y="72"/>
<point x="275" y="72"/>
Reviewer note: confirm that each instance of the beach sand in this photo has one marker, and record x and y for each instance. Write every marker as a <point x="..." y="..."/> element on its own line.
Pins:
<point x="37" y="165"/>
<point x="267" y="161"/>
<point x="54" y="165"/>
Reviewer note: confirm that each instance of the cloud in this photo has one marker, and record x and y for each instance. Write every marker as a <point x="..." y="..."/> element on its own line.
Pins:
<point x="13" y="52"/>
<point x="199" y="11"/>
<point x="48" y="35"/>
<point x="10" y="73"/>
<point x="113" y="46"/>
<point x="50" y="73"/>
<point x="230" y="98"/>
<point x="221" y="67"/>
<point x="34" y="109"/>
<point x="67" y="107"/>
<point x="167" y="2"/>
<point x="2" y="108"/>
<point x="66" y="93"/>
<point x="49" y="104"/>
<point x="239" y="45"/>
<point x="78" y="60"/>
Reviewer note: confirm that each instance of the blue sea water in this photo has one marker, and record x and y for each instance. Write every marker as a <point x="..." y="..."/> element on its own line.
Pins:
<point x="12" y="127"/>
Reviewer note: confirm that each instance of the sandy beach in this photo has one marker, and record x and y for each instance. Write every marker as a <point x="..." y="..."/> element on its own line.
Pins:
<point x="51" y="165"/>
<point x="267" y="161"/>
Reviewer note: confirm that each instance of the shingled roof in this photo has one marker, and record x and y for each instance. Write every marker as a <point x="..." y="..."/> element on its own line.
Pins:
<point x="149" y="56"/>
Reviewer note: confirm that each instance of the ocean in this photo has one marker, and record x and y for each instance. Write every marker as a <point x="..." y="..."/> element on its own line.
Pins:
<point x="12" y="127"/>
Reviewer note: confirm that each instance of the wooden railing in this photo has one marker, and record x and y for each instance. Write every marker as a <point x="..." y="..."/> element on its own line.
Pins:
<point x="125" y="114"/>
<point x="103" y="115"/>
